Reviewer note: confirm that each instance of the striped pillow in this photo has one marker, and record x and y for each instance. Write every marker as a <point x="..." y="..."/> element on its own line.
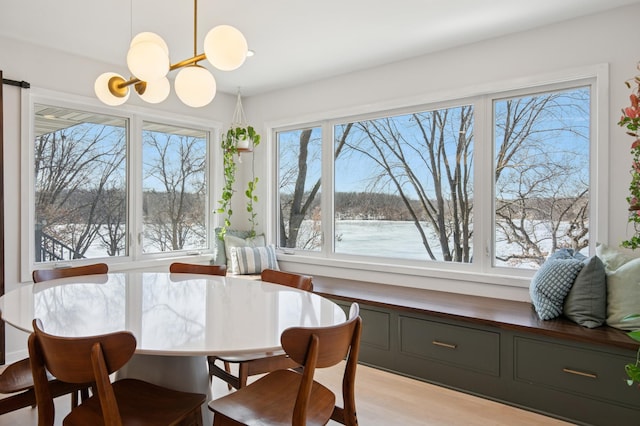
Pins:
<point x="252" y="260"/>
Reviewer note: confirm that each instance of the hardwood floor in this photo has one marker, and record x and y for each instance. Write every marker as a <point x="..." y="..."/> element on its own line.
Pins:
<point x="382" y="399"/>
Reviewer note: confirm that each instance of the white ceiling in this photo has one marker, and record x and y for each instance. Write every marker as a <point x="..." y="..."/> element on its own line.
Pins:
<point x="296" y="41"/>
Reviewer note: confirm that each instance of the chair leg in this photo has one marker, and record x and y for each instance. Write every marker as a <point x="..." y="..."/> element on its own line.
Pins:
<point x="227" y="368"/>
<point x="340" y="415"/>
<point x="243" y="374"/>
<point x="79" y="396"/>
<point x="84" y="394"/>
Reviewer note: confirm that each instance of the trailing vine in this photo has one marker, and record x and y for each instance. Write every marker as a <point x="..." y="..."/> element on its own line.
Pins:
<point x="230" y="166"/>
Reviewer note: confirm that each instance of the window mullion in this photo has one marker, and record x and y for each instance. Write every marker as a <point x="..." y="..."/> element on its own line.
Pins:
<point x="135" y="187"/>
<point x="483" y="185"/>
<point x="327" y="187"/>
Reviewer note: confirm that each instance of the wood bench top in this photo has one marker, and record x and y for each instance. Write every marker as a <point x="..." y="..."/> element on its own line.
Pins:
<point x="504" y="314"/>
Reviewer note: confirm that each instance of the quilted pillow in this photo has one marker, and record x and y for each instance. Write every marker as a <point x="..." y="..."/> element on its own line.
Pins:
<point x="252" y="260"/>
<point x="567" y="253"/>
<point x="551" y="284"/>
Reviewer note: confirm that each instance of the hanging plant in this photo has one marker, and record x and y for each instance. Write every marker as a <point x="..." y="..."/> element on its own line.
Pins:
<point x="631" y="121"/>
<point x="238" y="139"/>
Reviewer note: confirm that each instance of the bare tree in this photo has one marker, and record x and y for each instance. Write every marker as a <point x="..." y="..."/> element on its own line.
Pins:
<point x="429" y="162"/>
<point x="299" y="204"/>
<point x="73" y="168"/>
<point x="540" y="175"/>
<point x="114" y="229"/>
<point x="175" y="195"/>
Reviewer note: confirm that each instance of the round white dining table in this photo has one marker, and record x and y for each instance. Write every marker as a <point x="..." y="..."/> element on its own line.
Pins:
<point x="177" y="319"/>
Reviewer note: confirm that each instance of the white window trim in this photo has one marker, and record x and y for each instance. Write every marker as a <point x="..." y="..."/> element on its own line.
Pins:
<point x="136" y="115"/>
<point x="396" y="272"/>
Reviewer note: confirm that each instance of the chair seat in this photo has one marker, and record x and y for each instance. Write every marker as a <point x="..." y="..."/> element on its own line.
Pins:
<point x="271" y="399"/>
<point x="248" y="357"/>
<point x="16" y="377"/>
<point x="140" y="403"/>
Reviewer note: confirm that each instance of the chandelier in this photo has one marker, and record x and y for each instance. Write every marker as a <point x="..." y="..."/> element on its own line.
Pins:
<point x="148" y="61"/>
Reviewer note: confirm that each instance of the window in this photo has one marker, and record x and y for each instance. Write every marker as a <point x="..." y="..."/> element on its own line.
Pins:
<point x="541" y="175"/>
<point x="80" y="169"/>
<point x="415" y="187"/>
<point x="403" y="186"/>
<point x="300" y="162"/>
<point x="174" y="188"/>
<point x="92" y="200"/>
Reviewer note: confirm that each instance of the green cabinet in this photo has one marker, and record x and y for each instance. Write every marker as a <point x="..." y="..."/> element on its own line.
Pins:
<point x="578" y="382"/>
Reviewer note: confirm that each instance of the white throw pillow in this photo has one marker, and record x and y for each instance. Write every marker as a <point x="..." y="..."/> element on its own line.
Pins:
<point x="623" y="286"/>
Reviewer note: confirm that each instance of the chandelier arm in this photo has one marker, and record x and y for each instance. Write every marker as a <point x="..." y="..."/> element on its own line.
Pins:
<point x="189" y="61"/>
<point x="117" y="84"/>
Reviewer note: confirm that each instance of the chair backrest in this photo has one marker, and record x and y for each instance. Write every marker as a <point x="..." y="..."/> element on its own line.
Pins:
<point x="40" y="275"/>
<point x="320" y="347"/>
<point x="303" y="282"/>
<point x="78" y="360"/>
<point x="189" y="268"/>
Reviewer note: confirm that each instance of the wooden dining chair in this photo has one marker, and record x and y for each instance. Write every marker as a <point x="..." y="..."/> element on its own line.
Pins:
<point x="260" y="363"/>
<point x="288" y="397"/>
<point x="190" y="268"/>
<point x="16" y="378"/>
<point x="40" y="275"/>
<point x="93" y="359"/>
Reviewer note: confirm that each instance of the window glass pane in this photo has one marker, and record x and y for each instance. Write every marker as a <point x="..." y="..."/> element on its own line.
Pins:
<point x="80" y="184"/>
<point x="541" y="176"/>
<point x="299" y="224"/>
<point x="403" y="186"/>
<point x="174" y="188"/>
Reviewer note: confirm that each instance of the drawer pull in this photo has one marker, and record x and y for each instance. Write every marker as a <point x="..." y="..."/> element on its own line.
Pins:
<point x="444" y="345"/>
<point x="580" y="373"/>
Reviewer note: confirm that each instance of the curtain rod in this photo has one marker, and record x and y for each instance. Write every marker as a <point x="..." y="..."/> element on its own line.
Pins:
<point x="22" y="84"/>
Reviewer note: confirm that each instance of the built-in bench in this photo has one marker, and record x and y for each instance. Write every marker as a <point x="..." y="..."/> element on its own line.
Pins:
<point x="498" y="349"/>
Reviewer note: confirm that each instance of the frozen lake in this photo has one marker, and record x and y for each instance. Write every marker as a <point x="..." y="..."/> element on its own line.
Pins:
<point x="383" y="238"/>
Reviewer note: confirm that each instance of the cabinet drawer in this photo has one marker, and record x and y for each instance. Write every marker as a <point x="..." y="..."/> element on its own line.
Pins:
<point x="583" y="372"/>
<point x="464" y="347"/>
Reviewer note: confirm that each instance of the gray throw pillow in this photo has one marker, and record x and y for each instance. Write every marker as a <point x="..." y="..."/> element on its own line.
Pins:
<point x="551" y="284"/>
<point x="586" y="303"/>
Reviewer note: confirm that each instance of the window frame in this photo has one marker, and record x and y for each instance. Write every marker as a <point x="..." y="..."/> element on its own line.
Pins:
<point x="387" y="270"/>
<point x="135" y="118"/>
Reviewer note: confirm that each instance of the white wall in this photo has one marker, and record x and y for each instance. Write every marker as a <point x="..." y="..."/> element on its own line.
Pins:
<point x="604" y="38"/>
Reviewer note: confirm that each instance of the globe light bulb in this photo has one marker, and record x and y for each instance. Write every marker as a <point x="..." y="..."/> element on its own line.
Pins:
<point x="150" y="37"/>
<point x="148" y="61"/>
<point x="104" y="88"/>
<point x="195" y="86"/>
<point x="225" y="47"/>
<point x="156" y="91"/>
